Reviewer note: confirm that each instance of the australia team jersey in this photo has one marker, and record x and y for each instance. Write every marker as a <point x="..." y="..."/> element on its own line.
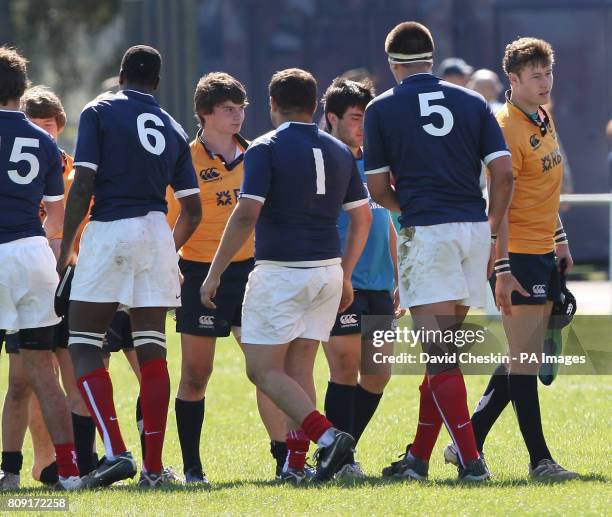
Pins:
<point x="30" y="172"/>
<point x="537" y="166"/>
<point x="303" y="177"/>
<point x="432" y="135"/>
<point x="219" y="183"/>
<point x="374" y="271"/>
<point x="137" y="150"/>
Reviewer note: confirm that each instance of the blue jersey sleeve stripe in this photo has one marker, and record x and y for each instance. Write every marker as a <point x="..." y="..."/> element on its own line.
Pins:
<point x="187" y="192"/>
<point x="253" y="196"/>
<point x="386" y="168"/>
<point x="354" y="204"/>
<point x="490" y="157"/>
<point x="50" y="199"/>
<point x="89" y="165"/>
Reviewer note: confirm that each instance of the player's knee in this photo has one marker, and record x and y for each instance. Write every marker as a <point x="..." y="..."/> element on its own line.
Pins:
<point x="194" y="380"/>
<point x="19" y="389"/>
<point x="255" y="374"/>
<point x="375" y="383"/>
<point x="344" y="368"/>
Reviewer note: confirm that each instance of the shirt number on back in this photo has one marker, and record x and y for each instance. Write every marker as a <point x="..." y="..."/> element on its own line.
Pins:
<point x="144" y="133"/>
<point x="320" y="168"/>
<point x="17" y="155"/>
<point x="429" y="109"/>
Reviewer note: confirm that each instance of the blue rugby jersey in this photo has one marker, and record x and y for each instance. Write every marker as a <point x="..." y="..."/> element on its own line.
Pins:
<point x="31" y="171"/>
<point x="303" y="177"/>
<point x="432" y="135"/>
<point x="137" y="150"/>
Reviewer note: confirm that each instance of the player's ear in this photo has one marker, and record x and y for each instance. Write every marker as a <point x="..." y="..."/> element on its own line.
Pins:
<point x="332" y="120"/>
<point x="273" y="105"/>
<point x="514" y="79"/>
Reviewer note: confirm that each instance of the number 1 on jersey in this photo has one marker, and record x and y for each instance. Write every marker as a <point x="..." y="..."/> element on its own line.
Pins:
<point x="320" y="168"/>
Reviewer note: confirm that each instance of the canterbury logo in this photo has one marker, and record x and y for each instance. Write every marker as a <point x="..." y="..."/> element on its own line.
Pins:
<point x="348" y="319"/>
<point x="210" y="174"/>
<point x="206" y="321"/>
<point x="570" y="309"/>
<point x="538" y="289"/>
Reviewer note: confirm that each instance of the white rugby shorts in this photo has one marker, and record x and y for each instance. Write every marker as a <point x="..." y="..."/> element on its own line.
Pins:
<point x="130" y="261"/>
<point x="284" y="303"/>
<point x="27" y="284"/>
<point x="443" y="262"/>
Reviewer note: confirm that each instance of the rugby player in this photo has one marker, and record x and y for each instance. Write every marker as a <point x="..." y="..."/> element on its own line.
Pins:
<point x="529" y="251"/>
<point x="352" y="396"/>
<point x="128" y="151"/>
<point x="34" y="167"/>
<point x="43" y="108"/>
<point x="296" y="180"/>
<point x="431" y="136"/>
<point x="217" y="153"/>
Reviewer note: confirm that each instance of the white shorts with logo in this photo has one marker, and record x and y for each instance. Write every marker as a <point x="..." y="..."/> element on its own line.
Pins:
<point x="444" y="262"/>
<point x="284" y="303"/>
<point x="27" y="284"/>
<point x="131" y="261"/>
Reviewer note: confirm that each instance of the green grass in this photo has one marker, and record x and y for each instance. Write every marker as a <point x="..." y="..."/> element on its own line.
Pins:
<point x="577" y="420"/>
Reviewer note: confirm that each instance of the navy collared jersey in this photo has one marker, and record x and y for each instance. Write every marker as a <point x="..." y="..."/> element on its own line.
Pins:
<point x="304" y="177"/>
<point x="137" y="150"/>
<point x="30" y="172"/>
<point x="432" y="136"/>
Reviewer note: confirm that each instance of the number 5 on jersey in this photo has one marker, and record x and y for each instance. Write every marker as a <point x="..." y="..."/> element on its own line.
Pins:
<point x="427" y="109"/>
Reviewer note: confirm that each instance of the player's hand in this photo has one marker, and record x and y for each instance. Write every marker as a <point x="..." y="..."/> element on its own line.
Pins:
<point x="208" y="291"/>
<point x="399" y="312"/>
<point x="505" y="285"/>
<point x="347" y="295"/>
<point x="63" y="261"/>
<point x="562" y="252"/>
<point x="491" y="263"/>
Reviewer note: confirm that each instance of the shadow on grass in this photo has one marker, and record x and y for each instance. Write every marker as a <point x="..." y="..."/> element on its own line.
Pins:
<point x="368" y="482"/>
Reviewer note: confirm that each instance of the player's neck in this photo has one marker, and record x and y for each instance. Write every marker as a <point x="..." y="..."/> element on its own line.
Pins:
<point x="303" y="118"/>
<point x="219" y="143"/>
<point x="137" y="87"/>
<point x="523" y="104"/>
<point x="10" y="105"/>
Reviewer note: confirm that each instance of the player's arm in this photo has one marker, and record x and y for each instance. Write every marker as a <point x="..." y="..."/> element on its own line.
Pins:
<point x="500" y="190"/>
<point x="238" y="229"/>
<point x="77" y="206"/>
<point x="188" y="219"/>
<point x="53" y="223"/>
<point x="379" y="185"/>
<point x="562" y="250"/>
<point x="377" y="169"/>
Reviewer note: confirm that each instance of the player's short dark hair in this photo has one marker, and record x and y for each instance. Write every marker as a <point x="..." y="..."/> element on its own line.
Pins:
<point x="13" y="74"/>
<point x="409" y="38"/>
<point x="527" y="51"/>
<point x="294" y="91"/>
<point x="141" y="64"/>
<point x="343" y="94"/>
<point x="41" y="102"/>
<point x="216" y="88"/>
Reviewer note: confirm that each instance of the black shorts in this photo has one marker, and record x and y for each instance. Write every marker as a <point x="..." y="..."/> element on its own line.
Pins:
<point x="11" y="340"/>
<point x="365" y="303"/>
<point x="195" y="319"/>
<point x="537" y="274"/>
<point x="119" y="334"/>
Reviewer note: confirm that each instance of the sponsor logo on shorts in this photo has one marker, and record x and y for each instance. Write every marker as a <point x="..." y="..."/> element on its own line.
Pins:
<point x="539" y="290"/>
<point x="348" y="320"/>
<point x="206" y="321"/>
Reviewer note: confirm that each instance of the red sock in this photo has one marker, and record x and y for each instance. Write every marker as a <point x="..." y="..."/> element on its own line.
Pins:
<point x="314" y="425"/>
<point x="154" y="399"/>
<point x="450" y="397"/>
<point x="297" y="447"/>
<point x="429" y="426"/>
<point x="65" y="457"/>
<point x="97" y="391"/>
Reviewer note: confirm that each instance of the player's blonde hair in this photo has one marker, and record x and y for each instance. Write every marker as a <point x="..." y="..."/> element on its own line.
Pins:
<point x="41" y="102"/>
<point x="525" y="52"/>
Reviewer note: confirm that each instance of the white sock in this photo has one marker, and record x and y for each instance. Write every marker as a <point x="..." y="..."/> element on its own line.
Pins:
<point x="327" y="438"/>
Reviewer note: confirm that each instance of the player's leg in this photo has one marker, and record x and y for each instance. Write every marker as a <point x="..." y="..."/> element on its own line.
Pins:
<point x="14" y="418"/>
<point x="197" y="357"/>
<point x="44" y="468"/>
<point x="149" y="333"/>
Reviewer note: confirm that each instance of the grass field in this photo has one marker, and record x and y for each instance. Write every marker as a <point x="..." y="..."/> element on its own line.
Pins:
<point x="577" y="420"/>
